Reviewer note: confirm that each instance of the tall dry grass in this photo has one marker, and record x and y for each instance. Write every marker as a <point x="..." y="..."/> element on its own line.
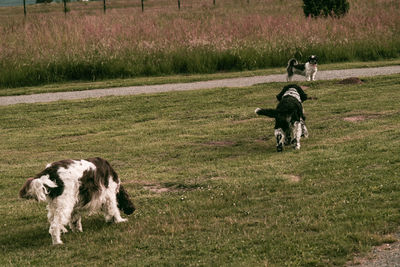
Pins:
<point x="200" y="38"/>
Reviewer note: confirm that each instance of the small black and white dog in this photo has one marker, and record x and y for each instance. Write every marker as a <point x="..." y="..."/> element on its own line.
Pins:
<point x="289" y="116"/>
<point x="308" y="69"/>
<point x="73" y="186"/>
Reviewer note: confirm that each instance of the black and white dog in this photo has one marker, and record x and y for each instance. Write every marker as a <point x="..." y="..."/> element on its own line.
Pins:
<point x="308" y="69"/>
<point x="289" y="116"/>
<point x="72" y="186"/>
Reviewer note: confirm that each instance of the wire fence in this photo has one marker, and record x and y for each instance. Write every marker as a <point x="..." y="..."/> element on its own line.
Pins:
<point x="66" y="6"/>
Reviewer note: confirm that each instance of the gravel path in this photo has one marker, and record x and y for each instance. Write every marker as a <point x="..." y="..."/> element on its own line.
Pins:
<point x="233" y="82"/>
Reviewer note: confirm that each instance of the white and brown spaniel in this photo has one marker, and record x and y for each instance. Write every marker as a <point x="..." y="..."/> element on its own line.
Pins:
<point x="73" y="186"/>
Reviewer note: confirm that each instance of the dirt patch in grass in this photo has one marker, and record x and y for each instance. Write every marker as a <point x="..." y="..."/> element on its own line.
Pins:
<point x="159" y="188"/>
<point x="244" y="121"/>
<point x="351" y="80"/>
<point x="219" y="143"/>
<point x="359" y="118"/>
<point x="292" y="178"/>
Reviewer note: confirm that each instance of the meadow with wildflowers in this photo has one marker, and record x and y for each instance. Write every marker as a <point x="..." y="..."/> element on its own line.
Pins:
<point x="86" y="44"/>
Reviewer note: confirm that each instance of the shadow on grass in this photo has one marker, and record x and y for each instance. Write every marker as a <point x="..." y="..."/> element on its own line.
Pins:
<point x="25" y="237"/>
<point x="36" y="237"/>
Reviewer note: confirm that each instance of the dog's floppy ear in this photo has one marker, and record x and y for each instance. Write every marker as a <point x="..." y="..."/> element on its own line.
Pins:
<point x="37" y="188"/>
<point x="23" y="192"/>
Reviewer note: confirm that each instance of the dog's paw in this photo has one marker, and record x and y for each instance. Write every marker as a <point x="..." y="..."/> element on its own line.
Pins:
<point x="120" y="220"/>
<point x="56" y="243"/>
<point x="279" y="148"/>
<point x="304" y="134"/>
<point x="63" y="230"/>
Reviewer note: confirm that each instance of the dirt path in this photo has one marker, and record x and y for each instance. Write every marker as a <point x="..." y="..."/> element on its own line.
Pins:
<point x="386" y="255"/>
<point x="233" y="82"/>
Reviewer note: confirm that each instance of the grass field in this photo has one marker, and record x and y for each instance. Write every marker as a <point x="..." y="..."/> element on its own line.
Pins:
<point x="48" y="46"/>
<point x="208" y="185"/>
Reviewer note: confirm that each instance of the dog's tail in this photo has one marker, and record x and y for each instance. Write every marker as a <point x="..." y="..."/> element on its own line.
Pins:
<point x="272" y="113"/>
<point x="292" y="62"/>
<point x="124" y="202"/>
<point x="289" y="68"/>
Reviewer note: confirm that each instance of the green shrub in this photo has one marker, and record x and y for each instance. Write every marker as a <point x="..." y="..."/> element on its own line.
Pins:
<point x="315" y="8"/>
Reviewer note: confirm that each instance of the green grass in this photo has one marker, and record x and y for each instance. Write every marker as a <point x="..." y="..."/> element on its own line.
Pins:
<point x="232" y="201"/>
<point x="84" y="85"/>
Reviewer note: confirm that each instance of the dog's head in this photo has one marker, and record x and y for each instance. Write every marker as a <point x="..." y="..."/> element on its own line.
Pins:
<point x="37" y="188"/>
<point x="313" y="60"/>
<point x="302" y="94"/>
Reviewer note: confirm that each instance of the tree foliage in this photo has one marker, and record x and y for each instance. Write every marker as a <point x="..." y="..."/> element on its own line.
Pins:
<point x="316" y="8"/>
<point x="43" y="1"/>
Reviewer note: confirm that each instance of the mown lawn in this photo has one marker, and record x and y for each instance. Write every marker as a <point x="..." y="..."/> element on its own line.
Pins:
<point x="207" y="183"/>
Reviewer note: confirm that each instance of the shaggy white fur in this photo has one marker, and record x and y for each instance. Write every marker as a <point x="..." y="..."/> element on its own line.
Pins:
<point x="79" y="189"/>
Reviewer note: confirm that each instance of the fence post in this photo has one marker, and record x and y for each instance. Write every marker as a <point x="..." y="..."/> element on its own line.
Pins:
<point x="24" y="9"/>
<point x="65" y="7"/>
<point x="104" y="6"/>
<point x="214" y="2"/>
<point x="179" y="4"/>
<point x="142" y="5"/>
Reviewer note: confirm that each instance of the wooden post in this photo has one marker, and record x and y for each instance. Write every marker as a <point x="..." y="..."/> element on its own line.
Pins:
<point x="179" y="4"/>
<point x="24" y="9"/>
<point x="65" y="7"/>
<point x="142" y="5"/>
<point x="104" y="6"/>
<point x="214" y="2"/>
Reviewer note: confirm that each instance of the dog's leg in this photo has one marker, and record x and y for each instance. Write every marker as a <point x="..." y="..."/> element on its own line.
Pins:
<point x="111" y="211"/>
<point x="76" y="221"/>
<point x="280" y="139"/>
<point x="308" y="76"/>
<point x="55" y="233"/>
<point x="59" y="215"/>
<point x="288" y="138"/>
<point x="297" y="134"/>
<point x="110" y="208"/>
<point x="304" y="131"/>
<point x="54" y="230"/>
<point x="313" y="75"/>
